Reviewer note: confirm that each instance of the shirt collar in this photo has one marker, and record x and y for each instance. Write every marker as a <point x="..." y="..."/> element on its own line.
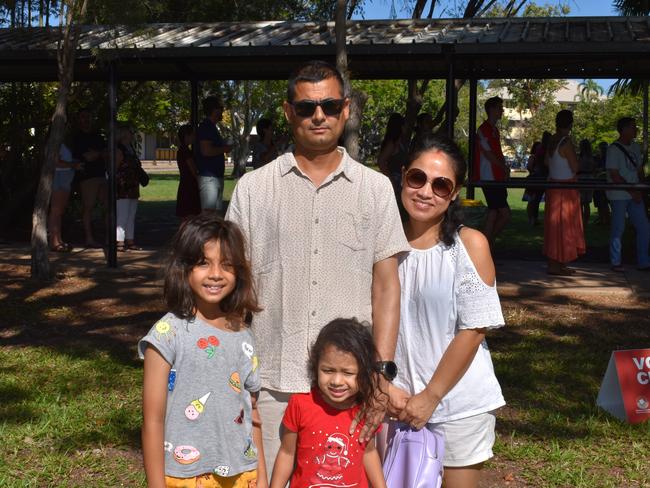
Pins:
<point x="345" y="168"/>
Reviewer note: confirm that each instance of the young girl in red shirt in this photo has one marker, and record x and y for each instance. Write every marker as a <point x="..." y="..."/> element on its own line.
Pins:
<point x="317" y="450"/>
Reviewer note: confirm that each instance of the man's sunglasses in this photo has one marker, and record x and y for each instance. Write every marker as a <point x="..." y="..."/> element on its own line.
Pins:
<point x="441" y="186"/>
<point x="330" y="107"/>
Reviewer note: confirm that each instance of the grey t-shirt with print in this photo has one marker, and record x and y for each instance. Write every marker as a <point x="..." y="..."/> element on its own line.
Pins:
<point x="208" y="424"/>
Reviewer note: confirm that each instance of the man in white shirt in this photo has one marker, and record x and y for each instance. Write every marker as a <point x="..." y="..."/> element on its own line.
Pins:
<point x="323" y="233"/>
<point x="625" y="165"/>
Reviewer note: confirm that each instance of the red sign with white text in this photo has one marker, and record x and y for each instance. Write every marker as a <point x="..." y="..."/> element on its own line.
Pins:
<point x="633" y="367"/>
<point x="625" y="391"/>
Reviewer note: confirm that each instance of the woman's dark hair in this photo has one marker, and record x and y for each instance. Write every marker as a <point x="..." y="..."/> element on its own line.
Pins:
<point x="394" y="128"/>
<point x="453" y="216"/>
<point x="183" y="131"/>
<point x="585" y="148"/>
<point x="187" y="252"/>
<point x="535" y="147"/>
<point x="348" y="335"/>
<point x="313" y="72"/>
<point x="564" y="119"/>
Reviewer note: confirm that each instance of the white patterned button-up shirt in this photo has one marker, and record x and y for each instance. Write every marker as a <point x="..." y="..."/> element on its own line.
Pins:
<point x="312" y="251"/>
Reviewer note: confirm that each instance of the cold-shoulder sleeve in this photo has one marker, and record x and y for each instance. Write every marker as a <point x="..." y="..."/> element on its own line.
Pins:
<point x="477" y="302"/>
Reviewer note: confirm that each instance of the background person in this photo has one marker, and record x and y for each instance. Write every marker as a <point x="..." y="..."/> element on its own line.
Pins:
<point x="393" y="150"/>
<point x="445" y="380"/>
<point x="323" y="233"/>
<point x="490" y="165"/>
<point x="586" y="170"/>
<point x="564" y="238"/>
<point x="423" y="129"/>
<point x="127" y="188"/>
<point x="89" y="147"/>
<point x="600" y="197"/>
<point x="61" y="186"/>
<point x="210" y="157"/>
<point x="625" y="165"/>
<point x="264" y="148"/>
<point x="188" y="202"/>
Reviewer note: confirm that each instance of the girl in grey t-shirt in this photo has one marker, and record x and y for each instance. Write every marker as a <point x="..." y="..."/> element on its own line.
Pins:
<point x="201" y="374"/>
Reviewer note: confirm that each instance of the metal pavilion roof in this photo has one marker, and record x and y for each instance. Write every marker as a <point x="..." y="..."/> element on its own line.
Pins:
<point x="479" y="48"/>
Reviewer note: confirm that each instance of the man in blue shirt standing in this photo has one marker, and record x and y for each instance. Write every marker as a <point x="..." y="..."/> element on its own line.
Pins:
<point x="211" y="160"/>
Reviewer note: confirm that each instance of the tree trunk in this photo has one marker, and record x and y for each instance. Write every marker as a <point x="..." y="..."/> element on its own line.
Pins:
<point x="357" y="98"/>
<point x="358" y="101"/>
<point x="40" y="264"/>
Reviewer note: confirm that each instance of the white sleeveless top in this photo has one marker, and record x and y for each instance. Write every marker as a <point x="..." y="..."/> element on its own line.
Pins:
<point x="558" y="166"/>
<point x="443" y="293"/>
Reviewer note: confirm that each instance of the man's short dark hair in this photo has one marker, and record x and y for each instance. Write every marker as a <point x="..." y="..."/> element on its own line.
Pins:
<point x="313" y="72"/>
<point x="564" y="119"/>
<point x="623" y="123"/>
<point x="211" y="103"/>
<point x="492" y="102"/>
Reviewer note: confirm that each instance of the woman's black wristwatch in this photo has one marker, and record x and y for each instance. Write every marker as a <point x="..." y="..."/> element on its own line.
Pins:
<point x="388" y="369"/>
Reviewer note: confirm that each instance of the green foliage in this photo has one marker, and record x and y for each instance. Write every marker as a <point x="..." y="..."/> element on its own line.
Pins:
<point x="632" y="7"/>
<point x="595" y="120"/>
<point x="384" y="98"/>
<point x="529" y="94"/>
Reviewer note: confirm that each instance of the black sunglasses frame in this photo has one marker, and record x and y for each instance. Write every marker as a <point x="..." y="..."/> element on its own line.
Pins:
<point x="331" y="107"/>
<point x="446" y="182"/>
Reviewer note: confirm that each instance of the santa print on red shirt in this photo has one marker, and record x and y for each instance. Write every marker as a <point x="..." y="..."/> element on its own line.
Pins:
<point x="326" y="455"/>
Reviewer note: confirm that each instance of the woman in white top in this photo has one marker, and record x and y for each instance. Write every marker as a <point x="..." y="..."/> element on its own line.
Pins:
<point x="564" y="238"/>
<point x="449" y="300"/>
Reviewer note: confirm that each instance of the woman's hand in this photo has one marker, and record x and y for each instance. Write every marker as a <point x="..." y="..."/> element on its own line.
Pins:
<point x="397" y="399"/>
<point x="418" y="410"/>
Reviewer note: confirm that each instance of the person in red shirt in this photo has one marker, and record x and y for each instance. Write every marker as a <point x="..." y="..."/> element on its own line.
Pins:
<point x="317" y="450"/>
<point x="490" y="165"/>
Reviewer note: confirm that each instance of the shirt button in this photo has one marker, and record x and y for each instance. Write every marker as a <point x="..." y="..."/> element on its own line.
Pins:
<point x="313" y="283"/>
<point x="315" y="251"/>
<point x="316" y="221"/>
<point x="313" y="314"/>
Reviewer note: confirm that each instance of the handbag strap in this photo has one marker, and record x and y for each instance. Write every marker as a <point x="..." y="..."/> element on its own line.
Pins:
<point x="628" y="156"/>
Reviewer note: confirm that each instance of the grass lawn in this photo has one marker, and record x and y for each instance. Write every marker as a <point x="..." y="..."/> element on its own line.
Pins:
<point x="70" y="381"/>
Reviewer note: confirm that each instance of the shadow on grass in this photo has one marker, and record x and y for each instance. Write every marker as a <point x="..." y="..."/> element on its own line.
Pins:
<point x="551" y="358"/>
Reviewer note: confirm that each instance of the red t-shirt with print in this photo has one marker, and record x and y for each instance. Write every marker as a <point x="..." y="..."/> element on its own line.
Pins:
<point x="326" y="454"/>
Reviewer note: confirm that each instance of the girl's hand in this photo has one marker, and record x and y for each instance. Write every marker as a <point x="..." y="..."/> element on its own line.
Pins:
<point x="397" y="399"/>
<point x="418" y="410"/>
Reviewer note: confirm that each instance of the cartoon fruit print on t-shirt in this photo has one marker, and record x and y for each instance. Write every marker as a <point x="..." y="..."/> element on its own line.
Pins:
<point x="196" y="407"/>
<point x="235" y="382"/>
<point x="209" y="345"/>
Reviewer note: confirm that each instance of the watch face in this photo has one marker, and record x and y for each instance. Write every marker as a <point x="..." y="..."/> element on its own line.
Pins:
<point x="390" y="370"/>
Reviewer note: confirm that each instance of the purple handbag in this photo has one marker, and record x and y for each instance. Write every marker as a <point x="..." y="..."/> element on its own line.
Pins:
<point x="413" y="458"/>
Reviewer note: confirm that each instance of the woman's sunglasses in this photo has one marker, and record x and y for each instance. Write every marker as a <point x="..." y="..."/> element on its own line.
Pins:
<point x="441" y="186"/>
<point x="330" y="106"/>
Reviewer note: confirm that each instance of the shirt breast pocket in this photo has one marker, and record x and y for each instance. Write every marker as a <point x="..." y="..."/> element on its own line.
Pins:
<point x="353" y="230"/>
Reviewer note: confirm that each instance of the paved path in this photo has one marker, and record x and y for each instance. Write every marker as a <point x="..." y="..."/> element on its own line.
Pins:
<point x="514" y="277"/>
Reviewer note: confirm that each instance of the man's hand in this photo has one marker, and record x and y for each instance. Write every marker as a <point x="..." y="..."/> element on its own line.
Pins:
<point x="374" y="414"/>
<point x="636" y="196"/>
<point x="418" y="410"/>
